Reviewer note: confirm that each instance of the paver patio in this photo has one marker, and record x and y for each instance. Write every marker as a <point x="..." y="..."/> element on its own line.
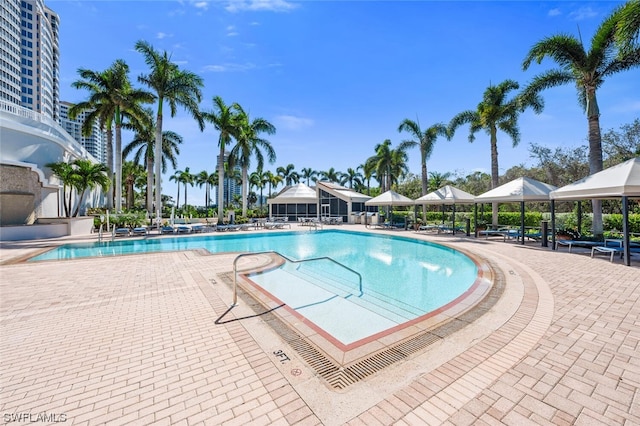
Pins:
<point x="133" y="340"/>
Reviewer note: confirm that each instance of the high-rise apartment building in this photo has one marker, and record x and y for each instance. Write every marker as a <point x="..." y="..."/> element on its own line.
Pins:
<point x="230" y="186"/>
<point x="95" y="143"/>
<point x="30" y="56"/>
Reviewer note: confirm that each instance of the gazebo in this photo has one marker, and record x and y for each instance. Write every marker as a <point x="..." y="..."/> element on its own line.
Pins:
<point x="447" y="195"/>
<point x="620" y="181"/>
<point x="520" y="191"/>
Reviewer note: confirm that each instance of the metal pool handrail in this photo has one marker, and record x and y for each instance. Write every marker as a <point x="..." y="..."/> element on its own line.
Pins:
<point x="235" y="271"/>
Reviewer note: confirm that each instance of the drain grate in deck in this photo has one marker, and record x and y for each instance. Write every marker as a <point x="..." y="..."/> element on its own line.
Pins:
<point x="339" y="377"/>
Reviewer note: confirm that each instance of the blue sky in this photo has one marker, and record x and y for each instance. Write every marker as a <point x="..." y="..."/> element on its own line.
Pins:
<point x="337" y="77"/>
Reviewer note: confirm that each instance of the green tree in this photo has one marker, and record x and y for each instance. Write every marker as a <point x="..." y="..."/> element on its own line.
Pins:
<point x="131" y="173"/>
<point x="123" y="100"/>
<point x="208" y="180"/>
<point x="88" y="176"/>
<point x="174" y="86"/>
<point x="307" y="173"/>
<point x="259" y="180"/>
<point x="225" y="121"/>
<point x="389" y="164"/>
<point x="438" y="180"/>
<point x="495" y="112"/>
<point x="143" y="147"/>
<point x="352" y="177"/>
<point x="273" y="180"/>
<point x="331" y="175"/>
<point x="65" y="173"/>
<point x="186" y="178"/>
<point x="587" y="69"/>
<point x="623" y="145"/>
<point x="248" y="144"/>
<point x="627" y="30"/>
<point x="425" y="140"/>
<point x="175" y="177"/>
<point x="288" y="174"/>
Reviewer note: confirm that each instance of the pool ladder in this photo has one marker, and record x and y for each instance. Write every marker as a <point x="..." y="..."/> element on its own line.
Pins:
<point x="235" y="269"/>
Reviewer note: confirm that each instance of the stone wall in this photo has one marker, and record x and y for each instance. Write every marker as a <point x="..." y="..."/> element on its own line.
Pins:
<point x="20" y="195"/>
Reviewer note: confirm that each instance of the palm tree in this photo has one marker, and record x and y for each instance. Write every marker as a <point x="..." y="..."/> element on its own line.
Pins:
<point x="185" y="178"/>
<point x="389" y="164"/>
<point x="249" y="143"/>
<point x="208" y="180"/>
<point x="425" y="140"/>
<point x="352" y="177"/>
<point x="225" y="121"/>
<point x="88" y="175"/>
<point x="123" y="100"/>
<point x="65" y="173"/>
<point x="331" y="175"/>
<point x="438" y="180"/>
<point x="288" y="174"/>
<point x="131" y="173"/>
<point x="144" y="145"/>
<point x="628" y="26"/>
<point x="495" y="113"/>
<point x="176" y="178"/>
<point x="368" y="171"/>
<point x="587" y="70"/>
<point x="232" y="176"/>
<point x="259" y="180"/>
<point x="308" y="174"/>
<point x="176" y="87"/>
<point x="273" y="180"/>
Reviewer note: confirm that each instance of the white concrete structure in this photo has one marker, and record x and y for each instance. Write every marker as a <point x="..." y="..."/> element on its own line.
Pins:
<point x="29" y="193"/>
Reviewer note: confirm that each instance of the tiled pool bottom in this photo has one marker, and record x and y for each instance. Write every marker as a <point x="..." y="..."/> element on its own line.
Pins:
<point x="340" y="363"/>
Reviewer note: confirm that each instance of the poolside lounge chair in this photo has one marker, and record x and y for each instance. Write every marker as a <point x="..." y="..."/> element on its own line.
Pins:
<point x="142" y="230"/>
<point x="168" y="229"/>
<point x="183" y="229"/>
<point x="577" y="243"/>
<point x="121" y="232"/>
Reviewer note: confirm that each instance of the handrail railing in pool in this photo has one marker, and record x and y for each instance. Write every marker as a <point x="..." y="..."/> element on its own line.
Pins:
<point x="235" y="271"/>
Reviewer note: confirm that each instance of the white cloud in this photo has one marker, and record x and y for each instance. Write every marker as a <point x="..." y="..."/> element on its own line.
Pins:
<point x="229" y="67"/>
<point x="162" y="35"/>
<point x="259" y="5"/>
<point x="201" y="5"/>
<point x="293" y="123"/>
<point x="554" y="12"/>
<point x="583" y="13"/>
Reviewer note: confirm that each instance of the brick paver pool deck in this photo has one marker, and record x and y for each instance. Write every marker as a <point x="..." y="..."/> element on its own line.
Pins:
<point x="134" y="340"/>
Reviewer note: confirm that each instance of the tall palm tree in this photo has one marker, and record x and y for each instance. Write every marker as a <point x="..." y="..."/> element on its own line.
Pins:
<point x="368" y="171"/>
<point x="496" y="112"/>
<point x="175" y="177"/>
<point x="122" y="100"/>
<point x="176" y="87"/>
<point x="88" y="176"/>
<point x="288" y="174"/>
<point x="273" y="180"/>
<point x="233" y="177"/>
<point x="588" y="71"/>
<point x="143" y="144"/>
<point x="307" y="173"/>
<point x="186" y="178"/>
<point x="225" y="121"/>
<point x="249" y="143"/>
<point x="99" y="109"/>
<point x="208" y="180"/>
<point x="389" y="164"/>
<point x="259" y="180"/>
<point x="425" y="140"/>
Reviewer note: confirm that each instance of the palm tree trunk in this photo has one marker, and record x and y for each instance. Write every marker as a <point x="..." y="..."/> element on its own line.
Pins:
<point x="118" y="154"/>
<point x="157" y="158"/>
<point x="221" y="182"/>
<point x="245" y="181"/>
<point x="595" y="166"/>
<point x="185" y="194"/>
<point x="149" y="197"/>
<point x="425" y="187"/>
<point x="110" y="168"/>
<point x="494" y="174"/>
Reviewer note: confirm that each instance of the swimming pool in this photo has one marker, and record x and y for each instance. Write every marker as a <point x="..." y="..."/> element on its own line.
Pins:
<point x="401" y="278"/>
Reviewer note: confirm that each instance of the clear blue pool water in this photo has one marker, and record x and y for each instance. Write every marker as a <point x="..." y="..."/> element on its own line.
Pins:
<point x="417" y="276"/>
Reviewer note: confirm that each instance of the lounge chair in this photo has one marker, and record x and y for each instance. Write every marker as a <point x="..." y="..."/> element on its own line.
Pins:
<point x="142" y="230"/>
<point x="576" y="243"/>
<point x="168" y="229"/>
<point x="121" y="232"/>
